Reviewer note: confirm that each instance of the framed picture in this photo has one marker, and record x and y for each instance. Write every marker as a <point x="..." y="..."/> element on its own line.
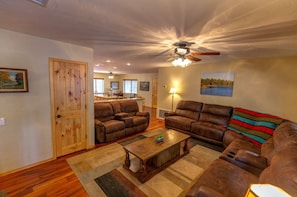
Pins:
<point x="114" y="85"/>
<point x="217" y="84"/>
<point x="144" y="86"/>
<point x="13" y="80"/>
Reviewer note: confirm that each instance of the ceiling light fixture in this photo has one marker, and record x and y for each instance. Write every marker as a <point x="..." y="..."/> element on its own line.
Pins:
<point x="181" y="61"/>
<point x="110" y="76"/>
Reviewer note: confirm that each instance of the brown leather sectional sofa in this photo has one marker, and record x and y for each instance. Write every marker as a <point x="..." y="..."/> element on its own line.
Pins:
<point x="242" y="163"/>
<point x="117" y="119"/>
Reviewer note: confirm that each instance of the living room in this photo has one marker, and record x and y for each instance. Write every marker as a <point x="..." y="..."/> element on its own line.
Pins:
<point x="264" y="83"/>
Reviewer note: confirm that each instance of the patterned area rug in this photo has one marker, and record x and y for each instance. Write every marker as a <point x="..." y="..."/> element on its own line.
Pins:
<point x="101" y="173"/>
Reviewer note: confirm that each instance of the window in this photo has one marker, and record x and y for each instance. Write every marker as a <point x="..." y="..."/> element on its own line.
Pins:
<point x="98" y="86"/>
<point x="130" y="86"/>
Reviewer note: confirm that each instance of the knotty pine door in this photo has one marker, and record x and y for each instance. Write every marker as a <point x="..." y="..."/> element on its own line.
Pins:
<point x="68" y="98"/>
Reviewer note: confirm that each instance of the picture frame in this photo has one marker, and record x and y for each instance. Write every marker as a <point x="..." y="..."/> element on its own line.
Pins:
<point x="144" y="86"/>
<point x="217" y="84"/>
<point x="114" y="85"/>
<point x="13" y="80"/>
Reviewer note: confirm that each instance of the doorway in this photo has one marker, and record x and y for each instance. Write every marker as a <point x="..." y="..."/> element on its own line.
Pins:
<point x="68" y="84"/>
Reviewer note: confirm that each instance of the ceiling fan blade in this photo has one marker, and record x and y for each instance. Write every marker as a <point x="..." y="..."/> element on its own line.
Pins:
<point x="205" y="53"/>
<point x="190" y="57"/>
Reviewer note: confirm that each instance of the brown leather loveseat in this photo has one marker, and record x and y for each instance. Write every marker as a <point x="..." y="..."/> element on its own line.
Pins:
<point x="117" y="119"/>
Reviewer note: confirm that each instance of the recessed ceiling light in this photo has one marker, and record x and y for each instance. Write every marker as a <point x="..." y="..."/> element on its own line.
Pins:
<point x="40" y="2"/>
<point x="114" y="67"/>
<point x="108" y="60"/>
<point x="128" y="64"/>
<point x="97" y="65"/>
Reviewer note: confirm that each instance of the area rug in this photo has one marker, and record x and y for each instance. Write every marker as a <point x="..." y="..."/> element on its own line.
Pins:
<point x="101" y="173"/>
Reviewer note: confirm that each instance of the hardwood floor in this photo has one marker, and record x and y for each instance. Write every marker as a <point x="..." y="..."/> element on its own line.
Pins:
<point x="54" y="178"/>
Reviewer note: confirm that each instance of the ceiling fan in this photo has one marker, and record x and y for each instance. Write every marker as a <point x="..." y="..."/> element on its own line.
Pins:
<point x="182" y="51"/>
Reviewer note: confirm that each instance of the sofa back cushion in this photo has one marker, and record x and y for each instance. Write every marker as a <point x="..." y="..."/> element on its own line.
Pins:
<point x="189" y="109"/>
<point x="283" y="135"/>
<point x="255" y="126"/>
<point x="217" y="114"/>
<point x="103" y="111"/>
<point x="130" y="107"/>
<point x="283" y="132"/>
<point x="282" y="171"/>
<point x="116" y="107"/>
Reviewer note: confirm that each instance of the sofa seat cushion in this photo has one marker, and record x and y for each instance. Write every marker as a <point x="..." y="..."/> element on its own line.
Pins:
<point x="179" y="122"/>
<point x="113" y="126"/>
<point x="209" y="130"/>
<point x="139" y="120"/>
<point x="225" y="178"/>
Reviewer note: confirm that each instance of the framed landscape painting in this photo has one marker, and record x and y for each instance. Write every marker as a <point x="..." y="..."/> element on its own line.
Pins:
<point x="13" y="80"/>
<point x="218" y="84"/>
<point x="144" y="85"/>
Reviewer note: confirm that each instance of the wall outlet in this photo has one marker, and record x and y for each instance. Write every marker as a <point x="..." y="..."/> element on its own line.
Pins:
<point x="2" y="121"/>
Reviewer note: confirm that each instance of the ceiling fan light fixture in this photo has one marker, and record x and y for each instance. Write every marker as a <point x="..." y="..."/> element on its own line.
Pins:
<point x="181" y="62"/>
<point x="182" y="51"/>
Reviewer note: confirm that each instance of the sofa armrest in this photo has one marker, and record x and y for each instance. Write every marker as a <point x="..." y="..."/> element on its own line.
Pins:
<point x="120" y="116"/>
<point x="169" y="113"/>
<point x="99" y="131"/>
<point x="142" y="114"/>
<point x="251" y="158"/>
<point x="204" y="191"/>
<point x="98" y="123"/>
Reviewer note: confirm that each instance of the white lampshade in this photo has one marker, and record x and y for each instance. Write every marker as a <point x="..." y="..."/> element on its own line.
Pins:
<point x="265" y="190"/>
<point x="172" y="91"/>
<point x="182" y="62"/>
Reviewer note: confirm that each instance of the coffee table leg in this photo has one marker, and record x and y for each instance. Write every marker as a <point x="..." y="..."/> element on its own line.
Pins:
<point x="186" y="146"/>
<point x="144" y="167"/>
<point x="127" y="160"/>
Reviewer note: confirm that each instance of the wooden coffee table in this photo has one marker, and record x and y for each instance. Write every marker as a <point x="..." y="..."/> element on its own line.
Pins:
<point x="152" y="157"/>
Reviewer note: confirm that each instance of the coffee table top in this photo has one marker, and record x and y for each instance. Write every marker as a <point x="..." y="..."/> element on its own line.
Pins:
<point x="148" y="147"/>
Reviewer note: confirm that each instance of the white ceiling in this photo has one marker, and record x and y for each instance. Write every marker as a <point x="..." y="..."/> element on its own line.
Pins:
<point x="142" y="32"/>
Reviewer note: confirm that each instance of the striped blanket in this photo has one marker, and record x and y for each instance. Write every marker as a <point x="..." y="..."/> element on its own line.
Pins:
<point x="257" y="127"/>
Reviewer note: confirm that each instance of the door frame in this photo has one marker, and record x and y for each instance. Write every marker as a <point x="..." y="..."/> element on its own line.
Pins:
<point x="52" y="104"/>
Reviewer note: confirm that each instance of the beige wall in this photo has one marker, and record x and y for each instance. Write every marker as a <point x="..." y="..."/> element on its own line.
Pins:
<point x="147" y="95"/>
<point x="264" y="85"/>
<point x="26" y="138"/>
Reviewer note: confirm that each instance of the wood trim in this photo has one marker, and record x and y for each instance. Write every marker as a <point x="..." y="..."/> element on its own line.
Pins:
<point x="27" y="167"/>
